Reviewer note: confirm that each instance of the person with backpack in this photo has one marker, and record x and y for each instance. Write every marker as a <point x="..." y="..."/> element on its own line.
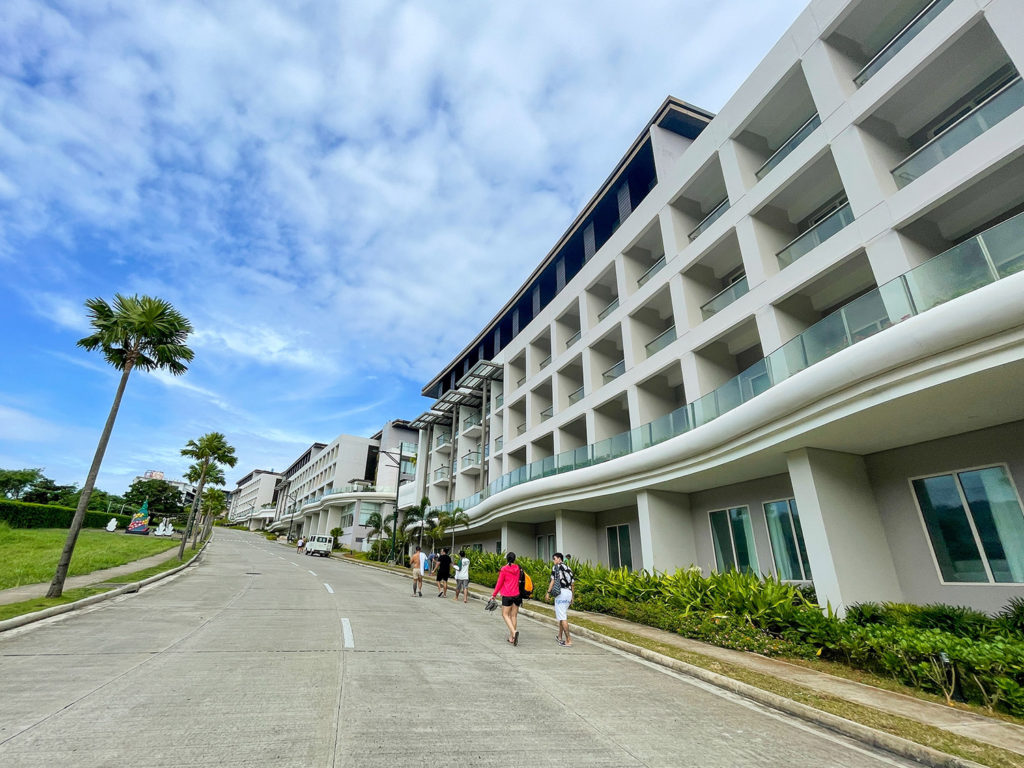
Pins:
<point x="511" y="586"/>
<point x="560" y="589"/>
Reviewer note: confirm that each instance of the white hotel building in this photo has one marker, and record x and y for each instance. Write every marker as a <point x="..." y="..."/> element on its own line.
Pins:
<point x="786" y="338"/>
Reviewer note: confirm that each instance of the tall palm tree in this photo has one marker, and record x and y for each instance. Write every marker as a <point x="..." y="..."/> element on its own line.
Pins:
<point x="213" y="505"/>
<point x="214" y="476"/>
<point x="378" y="525"/>
<point x="136" y="332"/>
<point x="422" y="515"/>
<point x="210" y="451"/>
<point x="453" y="520"/>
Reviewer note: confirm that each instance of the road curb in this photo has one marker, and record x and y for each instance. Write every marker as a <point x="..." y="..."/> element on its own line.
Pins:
<point x="85" y="602"/>
<point x="862" y="733"/>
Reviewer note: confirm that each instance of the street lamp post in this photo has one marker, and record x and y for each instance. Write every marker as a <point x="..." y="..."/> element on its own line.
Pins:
<point x="398" y="487"/>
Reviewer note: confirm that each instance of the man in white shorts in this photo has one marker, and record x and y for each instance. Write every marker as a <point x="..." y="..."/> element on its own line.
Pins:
<point x="418" y="561"/>
<point x="462" y="577"/>
<point x="562" y="575"/>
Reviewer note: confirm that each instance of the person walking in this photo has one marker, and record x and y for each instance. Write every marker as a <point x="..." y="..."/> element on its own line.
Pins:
<point x="508" y="588"/>
<point x="417" y="562"/>
<point x="560" y="588"/>
<point x="444" y="572"/>
<point x="462" y="577"/>
<point x="300" y="545"/>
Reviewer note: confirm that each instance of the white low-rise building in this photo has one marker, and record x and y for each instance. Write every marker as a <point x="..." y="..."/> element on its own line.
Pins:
<point x="252" y="500"/>
<point x="787" y="338"/>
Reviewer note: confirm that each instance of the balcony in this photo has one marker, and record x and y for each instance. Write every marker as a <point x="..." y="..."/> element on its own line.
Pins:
<point x="547" y="413"/>
<point x="575" y="397"/>
<point x="443" y="443"/>
<point x="470" y="463"/>
<point x="724" y="298"/>
<point x="499" y="443"/>
<point x="521" y="381"/>
<point x="544" y="363"/>
<point x="499" y="401"/>
<point x="789" y="145"/>
<point x="661" y="341"/>
<point x="614" y="372"/>
<point x="440" y="476"/>
<point x="471" y="426"/>
<point x="815" y="236"/>
<point x="573" y="339"/>
<point x="521" y="428"/>
<point x="408" y="449"/>
<point x="612" y="306"/>
<point x="654" y="269"/>
<point x="993" y="110"/>
<point x="899" y="42"/>
<point x="711" y="218"/>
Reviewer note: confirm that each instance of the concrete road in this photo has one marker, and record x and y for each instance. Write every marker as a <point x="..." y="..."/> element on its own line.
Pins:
<point x="262" y="657"/>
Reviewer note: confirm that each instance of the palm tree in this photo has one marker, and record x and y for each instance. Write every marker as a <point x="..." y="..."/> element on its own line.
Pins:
<point x="378" y="525"/>
<point x="214" y="476"/>
<point x="137" y="332"/>
<point x="421" y="515"/>
<point x="453" y="520"/>
<point x="212" y="505"/>
<point x="210" y="450"/>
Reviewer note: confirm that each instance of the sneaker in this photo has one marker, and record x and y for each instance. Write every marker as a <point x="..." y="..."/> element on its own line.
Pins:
<point x="421" y="594"/>
<point x="561" y="642"/>
<point x="515" y="638"/>
<point x="440" y="595"/>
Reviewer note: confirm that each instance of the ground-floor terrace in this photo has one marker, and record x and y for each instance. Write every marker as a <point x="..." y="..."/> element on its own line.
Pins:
<point x="890" y="472"/>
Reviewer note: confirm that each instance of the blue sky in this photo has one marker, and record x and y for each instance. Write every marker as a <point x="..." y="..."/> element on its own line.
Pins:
<point x="309" y="183"/>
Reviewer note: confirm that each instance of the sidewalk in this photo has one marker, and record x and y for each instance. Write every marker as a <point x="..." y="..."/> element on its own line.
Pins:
<point x="997" y="733"/>
<point x="32" y="591"/>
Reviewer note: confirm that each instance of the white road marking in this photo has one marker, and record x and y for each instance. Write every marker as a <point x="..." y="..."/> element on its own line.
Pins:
<point x="346" y="629"/>
<point x="312" y="573"/>
<point x="329" y="588"/>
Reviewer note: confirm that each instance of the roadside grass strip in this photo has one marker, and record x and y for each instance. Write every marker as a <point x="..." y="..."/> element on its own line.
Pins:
<point x="30" y="555"/>
<point x="13" y="610"/>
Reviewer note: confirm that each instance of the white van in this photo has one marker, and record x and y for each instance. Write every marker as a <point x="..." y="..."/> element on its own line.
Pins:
<point x="320" y="545"/>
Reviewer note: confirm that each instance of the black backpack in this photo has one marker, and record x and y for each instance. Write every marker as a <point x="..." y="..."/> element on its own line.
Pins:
<point x="525" y="584"/>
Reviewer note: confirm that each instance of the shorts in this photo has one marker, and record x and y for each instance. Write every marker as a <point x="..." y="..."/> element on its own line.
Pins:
<point x="442" y="577"/>
<point x="507" y="601"/>
<point x="562" y="605"/>
<point x="461" y="585"/>
<point x="417" y="573"/>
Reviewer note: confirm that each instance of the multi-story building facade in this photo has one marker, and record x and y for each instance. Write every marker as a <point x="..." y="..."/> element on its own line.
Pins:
<point x="787" y="338"/>
<point x="342" y="483"/>
<point x="252" y="500"/>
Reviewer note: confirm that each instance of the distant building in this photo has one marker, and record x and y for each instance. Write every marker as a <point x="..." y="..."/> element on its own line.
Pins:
<point x="188" y="491"/>
<point x="252" y="500"/>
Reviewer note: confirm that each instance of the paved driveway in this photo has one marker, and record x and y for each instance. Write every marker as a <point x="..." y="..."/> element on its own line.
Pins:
<point x="262" y="657"/>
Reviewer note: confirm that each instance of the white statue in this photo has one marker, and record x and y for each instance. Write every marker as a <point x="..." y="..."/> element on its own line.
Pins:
<point x="112" y="525"/>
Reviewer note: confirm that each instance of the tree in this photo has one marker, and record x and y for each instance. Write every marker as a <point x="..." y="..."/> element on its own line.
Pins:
<point x="377" y="523"/>
<point x="212" y="505"/>
<point x="336" y="534"/>
<point x="214" y="476"/>
<point x="452" y="520"/>
<point x="137" y="332"/>
<point x="422" y="516"/>
<point x="165" y="500"/>
<point x="14" y="482"/>
<point x="211" y="450"/>
<point x="99" y="500"/>
<point x="45" y="491"/>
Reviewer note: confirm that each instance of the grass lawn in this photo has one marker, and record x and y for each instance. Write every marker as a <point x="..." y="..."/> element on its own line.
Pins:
<point x="29" y="555"/>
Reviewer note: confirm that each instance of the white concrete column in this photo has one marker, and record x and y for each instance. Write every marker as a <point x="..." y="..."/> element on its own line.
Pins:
<point x="827" y="79"/>
<point x="1004" y="17"/>
<point x="864" y="165"/>
<point x="738" y="165"/>
<point x="673" y="231"/>
<point x="770" y="329"/>
<point x="333" y="520"/>
<point x="846" y="544"/>
<point x="518" y="538"/>
<point x="889" y="257"/>
<point x="757" y="252"/>
<point x="666" y="531"/>
<point x="576" y="535"/>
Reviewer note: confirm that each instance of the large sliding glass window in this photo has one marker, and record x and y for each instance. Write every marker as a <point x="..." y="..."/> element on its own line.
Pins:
<point x="975" y="525"/>
<point x="367" y="508"/>
<point x="734" y="540"/>
<point x="619" y="553"/>
<point x="787" y="539"/>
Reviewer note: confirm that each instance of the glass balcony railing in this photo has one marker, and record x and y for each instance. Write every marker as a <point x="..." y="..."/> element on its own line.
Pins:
<point x="471" y="459"/>
<point x="994" y="254"/>
<point x="711" y="218"/>
<point x="575" y="397"/>
<point x="547" y="413"/>
<point x="499" y="401"/>
<point x="441" y="473"/>
<point x="408" y="449"/>
<point x="661" y="341"/>
<point x="573" y="339"/>
<point x="815" y="236"/>
<point x="612" y="306"/>
<point x="652" y="270"/>
<point x="996" y="108"/>
<point x="471" y="421"/>
<point x="521" y="428"/>
<point x="724" y="298"/>
<point x="442" y="439"/>
<point x="614" y="372"/>
<point x="499" y="442"/>
<point x="899" y="42"/>
<point x="521" y="381"/>
<point x="789" y="145"/>
<point x="545" y="363"/>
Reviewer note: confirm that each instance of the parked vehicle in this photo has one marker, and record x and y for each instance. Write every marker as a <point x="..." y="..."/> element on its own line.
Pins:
<point x="320" y="545"/>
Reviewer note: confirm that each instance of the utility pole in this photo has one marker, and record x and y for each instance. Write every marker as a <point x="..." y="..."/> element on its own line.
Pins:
<point x="398" y="486"/>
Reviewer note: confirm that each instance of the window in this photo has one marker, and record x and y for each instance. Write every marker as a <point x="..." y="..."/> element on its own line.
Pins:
<point x="478" y="547"/>
<point x="787" y="539"/>
<point x="346" y="521"/>
<point x="545" y="546"/>
<point x="975" y="525"/>
<point x="734" y="540"/>
<point x="619" y="552"/>
<point x="367" y="508"/>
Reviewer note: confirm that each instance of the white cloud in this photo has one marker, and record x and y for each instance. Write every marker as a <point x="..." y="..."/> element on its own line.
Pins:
<point x="21" y="426"/>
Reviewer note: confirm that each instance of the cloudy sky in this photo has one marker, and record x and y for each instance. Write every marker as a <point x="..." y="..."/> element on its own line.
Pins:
<point x="337" y="194"/>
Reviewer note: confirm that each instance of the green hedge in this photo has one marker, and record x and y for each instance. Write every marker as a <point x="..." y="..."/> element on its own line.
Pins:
<point x="19" y="514"/>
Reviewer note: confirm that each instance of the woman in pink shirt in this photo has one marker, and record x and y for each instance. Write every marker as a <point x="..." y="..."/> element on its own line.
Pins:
<point x="508" y="588"/>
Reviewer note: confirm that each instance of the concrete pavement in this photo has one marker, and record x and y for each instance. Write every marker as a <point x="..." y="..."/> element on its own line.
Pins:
<point x="260" y="656"/>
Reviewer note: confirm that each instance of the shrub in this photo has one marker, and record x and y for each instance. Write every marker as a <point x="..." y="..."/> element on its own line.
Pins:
<point x="19" y="514"/>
